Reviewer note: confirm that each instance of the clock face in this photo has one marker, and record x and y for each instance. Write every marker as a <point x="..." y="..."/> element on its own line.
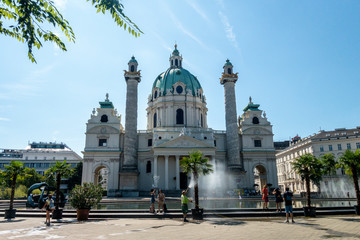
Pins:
<point x="179" y="89"/>
<point x="257" y="131"/>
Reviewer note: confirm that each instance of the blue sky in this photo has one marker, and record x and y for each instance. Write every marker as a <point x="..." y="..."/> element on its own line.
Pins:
<point x="300" y="60"/>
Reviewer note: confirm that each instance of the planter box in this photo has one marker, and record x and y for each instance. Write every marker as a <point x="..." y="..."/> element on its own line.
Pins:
<point x="310" y="211"/>
<point x="357" y="209"/>
<point x="82" y="214"/>
<point x="197" y="213"/>
<point x="57" y="214"/>
<point x="10" y="213"/>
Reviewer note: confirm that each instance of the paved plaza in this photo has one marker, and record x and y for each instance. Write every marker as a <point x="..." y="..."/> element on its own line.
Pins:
<point x="330" y="227"/>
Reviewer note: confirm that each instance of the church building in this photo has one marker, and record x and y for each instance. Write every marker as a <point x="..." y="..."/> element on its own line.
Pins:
<point x="132" y="161"/>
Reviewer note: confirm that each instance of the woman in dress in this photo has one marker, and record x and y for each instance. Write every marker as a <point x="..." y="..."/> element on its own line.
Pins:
<point x="265" y="197"/>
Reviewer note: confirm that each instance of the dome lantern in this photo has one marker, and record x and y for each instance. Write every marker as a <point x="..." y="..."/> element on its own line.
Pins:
<point x="175" y="59"/>
<point x="133" y="64"/>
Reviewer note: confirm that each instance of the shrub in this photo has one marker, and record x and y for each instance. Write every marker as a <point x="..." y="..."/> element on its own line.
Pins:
<point x="86" y="196"/>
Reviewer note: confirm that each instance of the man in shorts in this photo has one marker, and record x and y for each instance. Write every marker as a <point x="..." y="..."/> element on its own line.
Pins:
<point x="289" y="201"/>
<point x="184" y="204"/>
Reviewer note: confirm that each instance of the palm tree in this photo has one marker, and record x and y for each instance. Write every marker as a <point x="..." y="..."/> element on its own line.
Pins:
<point x="14" y="170"/>
<point x="329" y="164"/>
<point x="197" y="165"/>
<point x="310" y="169"/>
<point x="350" y="161"/>
<point x="60" y="170"/>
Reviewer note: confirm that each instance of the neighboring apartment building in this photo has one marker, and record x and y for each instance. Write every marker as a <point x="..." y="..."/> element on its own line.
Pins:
<point x="40" y="156"/>
<point x="335" y="142"/>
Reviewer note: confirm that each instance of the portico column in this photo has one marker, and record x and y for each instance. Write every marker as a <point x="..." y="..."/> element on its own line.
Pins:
<point x="177" y="173"/>
<point x="155" y="165"/>
<point x="166" y="172"/>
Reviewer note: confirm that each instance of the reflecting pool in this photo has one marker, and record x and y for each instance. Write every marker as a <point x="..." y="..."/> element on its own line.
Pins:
<point x="226" y="203"/>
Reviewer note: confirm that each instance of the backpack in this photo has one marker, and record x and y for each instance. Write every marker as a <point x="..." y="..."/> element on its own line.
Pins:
<point x="288" y="196"/>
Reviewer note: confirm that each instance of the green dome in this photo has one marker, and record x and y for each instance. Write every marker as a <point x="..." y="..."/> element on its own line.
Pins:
<point x="132" y="60"/>
<point x="167" y="79"/>
<point x="228" y="63"/>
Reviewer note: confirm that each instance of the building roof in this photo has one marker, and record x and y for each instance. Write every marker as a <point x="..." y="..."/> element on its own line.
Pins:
<point x="337" y="133"/>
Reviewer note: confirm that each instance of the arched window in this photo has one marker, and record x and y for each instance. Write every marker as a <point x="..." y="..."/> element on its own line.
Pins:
<point x="229" y="70"/>
<point x="202" y="121"/>
<point x="155" y="119"/>
<point x="148" y="167"/>
<point x="179" y="116"/>
<point x="155" y="94"/>
<point x="104" y="118"/>
<point x="255" y="120"/>
<point x="172" y="62"/>
<point x="132" y="68"/>
<point x="176" y="62"/>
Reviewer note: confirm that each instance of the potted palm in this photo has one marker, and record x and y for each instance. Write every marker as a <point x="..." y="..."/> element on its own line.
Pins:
<point x="85" y="197"/>
<point x="197" y="165"/>
<point x="310" y="170"/>
<point x="59" y="170"/>
<point x="350" y="161"/>
<point x="14" y="170"/>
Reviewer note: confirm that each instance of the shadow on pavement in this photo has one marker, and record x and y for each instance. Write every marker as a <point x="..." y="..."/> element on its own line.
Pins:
<point x="12" y="221"/>
<point x="228" y="223"/>
<point x="351" y="219"/>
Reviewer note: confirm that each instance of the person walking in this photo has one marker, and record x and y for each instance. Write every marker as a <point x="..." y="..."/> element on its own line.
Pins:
<point x="161" y="199"/>
<point x="278" y="199"/>
<point x="265" y="197"/>
<point x="289" y="201"/>
<point x="49" y="206"/>
<point x="184" y="204"/>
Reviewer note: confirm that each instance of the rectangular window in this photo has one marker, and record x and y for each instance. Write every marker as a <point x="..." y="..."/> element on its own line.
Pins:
<point x="257" y="143"/>
<point x="102" y="142"/>
<point x="348" y="146"/>
<point x="358" y="145"/>
<point x="149" y="142"/>
<point x="321" y="148"/>
<point x="330" y="148"/>
<point x="339" y="147"/>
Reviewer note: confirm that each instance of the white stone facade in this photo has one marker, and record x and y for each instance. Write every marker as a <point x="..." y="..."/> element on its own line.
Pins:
<point x="335" y="142"/>
<point x="176" y="125"/>
<point x="40" y="156"/>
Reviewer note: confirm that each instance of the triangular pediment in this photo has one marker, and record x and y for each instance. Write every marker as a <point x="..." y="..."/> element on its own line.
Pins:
<point x="185" y="142"/>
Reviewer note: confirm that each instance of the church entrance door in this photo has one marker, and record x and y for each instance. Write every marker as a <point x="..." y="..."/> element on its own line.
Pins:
<point x="183" y="181"/>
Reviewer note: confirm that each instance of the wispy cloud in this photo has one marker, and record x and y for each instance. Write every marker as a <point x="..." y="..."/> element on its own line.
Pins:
<point x="228" y="29"/>
<point x="4" y="119"/>
<point x="28" y="87"/>
<point x="198" y="10"/>
<point x="60" y="4"/>
<point x="163" y="42"/>
<point x="184" y="30"/>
